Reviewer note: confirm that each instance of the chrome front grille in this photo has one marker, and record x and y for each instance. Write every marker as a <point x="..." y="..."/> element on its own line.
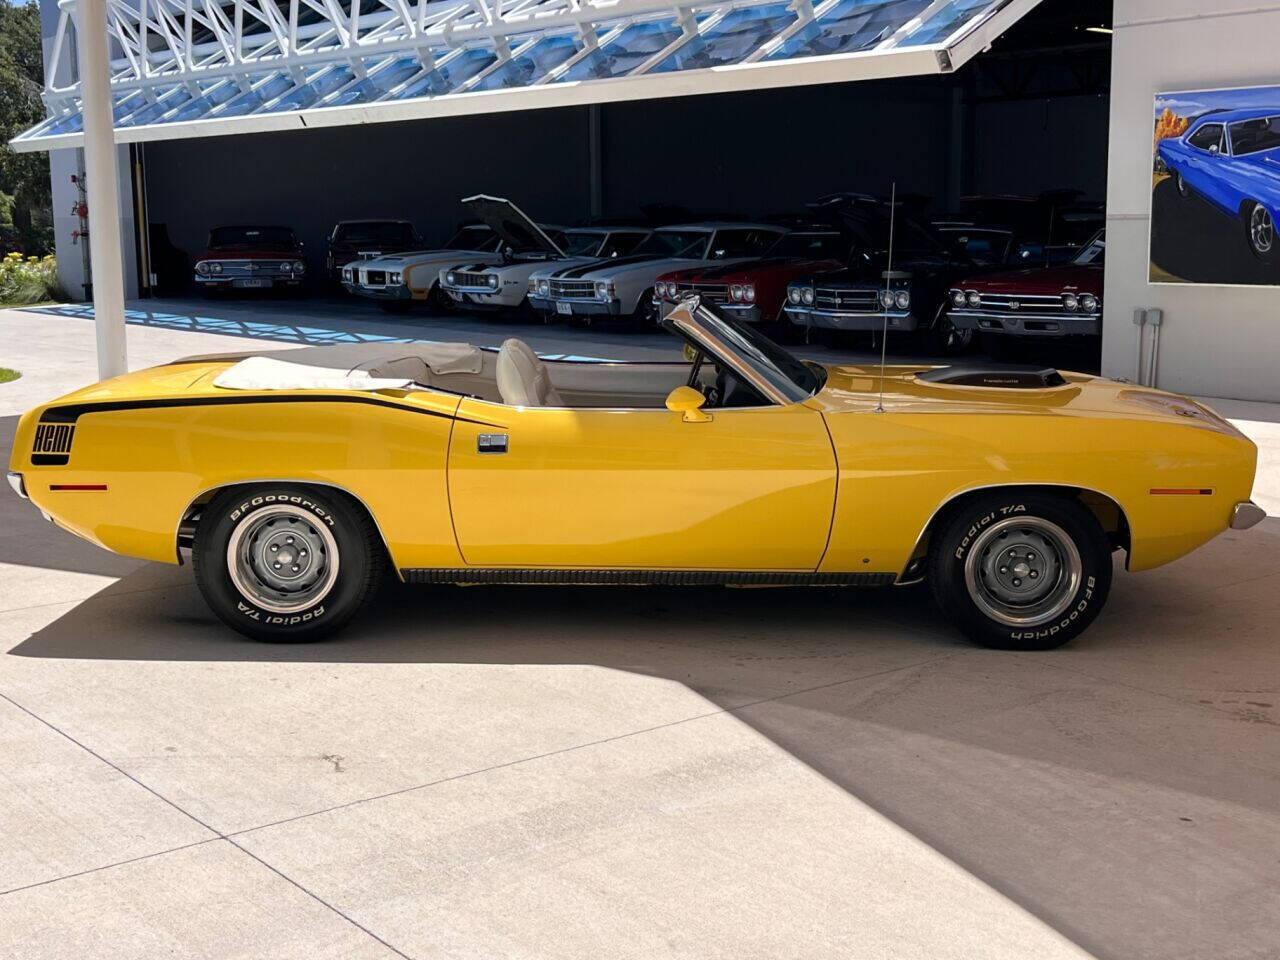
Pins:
<point x="240" y="269"/>
<point x="715" y="292"/>
<point x="463" y="279"/>
<point x="1030" y="303"/>
<point x="850" y="301"/>
<point x="573" y="289"/>
<point x="373" y="278"/>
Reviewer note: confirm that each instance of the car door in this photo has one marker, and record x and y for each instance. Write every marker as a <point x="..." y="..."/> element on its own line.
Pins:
<point x="1203" y="146"/>
<point x="749" y="489"/>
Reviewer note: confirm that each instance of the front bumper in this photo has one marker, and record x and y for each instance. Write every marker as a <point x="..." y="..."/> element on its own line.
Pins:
<point x="803" y="316"/>
<point x="18" y="485"/>
<point x="398" y="292"/>
<point x="247" y="283"/>
<point x="1243" y="515"/>
<point x="584" y="308"/>
<point x="1026" y="324"/>
<point x="477" y="298"/>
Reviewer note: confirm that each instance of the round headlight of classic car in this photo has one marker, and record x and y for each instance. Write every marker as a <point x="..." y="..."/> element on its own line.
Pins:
<point x="973" y="299"/>
<point x="202" y="268"/>
<point x="1088" y="303"/>
<point x="793" y="294"/>
<point x="395" y="278"/>
<point x="544" y="288"/>
<point x="450" y="277"/>
<point x="902" y="299"/>
<point x="215" y="268"/>
<point x="300" y="267"/>
<point x="348" y="274"/>
<point x="957" y="298"/>
<point x="749" y="293"/>
<point x="1070" y="302"/>
<point x="735" y="293"/>
<point x="492" y="281"/>
<point x="886" y="299"/>
<point x="602" y="290"/>
<point x="807" y="295"/>
<point x="662" y="290"/>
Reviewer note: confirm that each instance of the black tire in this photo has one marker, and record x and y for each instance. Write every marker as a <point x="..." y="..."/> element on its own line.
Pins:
<point x="1041" y="532"/>
<point x="645" y="316"/>
<point x="395" y="306"/>
<point x="1184" y="191"/>
<point x="335" y="522"/>
<point x="438" y="301"/>
<point x="1260" y="231"/>
<point x="944" y="339"/>
<point x="782" y="330"/>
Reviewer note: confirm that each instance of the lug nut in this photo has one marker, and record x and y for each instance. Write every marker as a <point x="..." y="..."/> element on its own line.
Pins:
<point x="1031" y="556"/>
<point x="295" y="568"/>
<point x="1004" y="569"/>
<point x="1017" y="582"/>
<point x="288" y="539"/>
<point x="275" y="547"/>
<point x="275" y="566"/>
<point x="1034" y="574"/>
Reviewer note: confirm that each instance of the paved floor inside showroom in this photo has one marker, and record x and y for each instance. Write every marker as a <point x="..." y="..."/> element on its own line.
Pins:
<point x="536" y="773"/>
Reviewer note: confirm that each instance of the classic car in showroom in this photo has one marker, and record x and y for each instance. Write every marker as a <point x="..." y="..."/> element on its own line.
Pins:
<point x="399" y="281"/>
<point x="755" y="291"/>
<point x="1231" y="158"/>
<point x="1049" y="302"/>
<point x="353" y="240"/>
<point x="900" y="290"/>
<point x="530" y="249"/>
<point x="625" y="287"/>
<point x="251" y="258"/>
<point x="292" y="481"/>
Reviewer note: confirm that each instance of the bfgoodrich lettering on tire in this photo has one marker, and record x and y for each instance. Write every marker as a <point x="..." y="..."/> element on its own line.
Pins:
<point x="1020" y="571"/>
<point x="286" y="563"/>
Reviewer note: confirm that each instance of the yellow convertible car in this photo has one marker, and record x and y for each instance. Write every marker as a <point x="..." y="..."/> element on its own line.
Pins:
<point x="292" y="480"/>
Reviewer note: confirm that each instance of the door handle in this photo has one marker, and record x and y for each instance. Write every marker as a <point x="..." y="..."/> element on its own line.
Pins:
<point x="491" y="443"/>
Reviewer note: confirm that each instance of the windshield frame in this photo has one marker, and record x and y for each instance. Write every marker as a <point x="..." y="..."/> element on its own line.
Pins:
<point x="683" y="253"/>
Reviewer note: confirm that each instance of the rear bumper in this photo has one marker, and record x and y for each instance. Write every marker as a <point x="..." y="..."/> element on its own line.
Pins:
<point x="1026" y="324"/>
<point x="1243" y="515"/>
<point x="842" y="320"/>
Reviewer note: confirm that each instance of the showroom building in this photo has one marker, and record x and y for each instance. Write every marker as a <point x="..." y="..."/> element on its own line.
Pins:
<point x="306" y="113"/>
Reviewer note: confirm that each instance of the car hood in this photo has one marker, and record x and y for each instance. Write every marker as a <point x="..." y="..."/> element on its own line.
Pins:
<point x="1073" y="277"/>
<point x="624" y="267"/>
<point x="418" y="258"/>
<point x="752" y="271"/>
<point x="510" y="223"/>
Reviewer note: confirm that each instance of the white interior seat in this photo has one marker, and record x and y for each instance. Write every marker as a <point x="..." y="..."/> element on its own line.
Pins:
<point x="523" y="380"/>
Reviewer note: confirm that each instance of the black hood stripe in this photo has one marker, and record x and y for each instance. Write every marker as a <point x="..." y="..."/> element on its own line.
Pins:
<point x="573" y="273"/>
<point x="71" y="412"/>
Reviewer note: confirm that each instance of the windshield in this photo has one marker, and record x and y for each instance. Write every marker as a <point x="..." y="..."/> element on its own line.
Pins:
<point x="251" y="238"/>
<point x="579" y="243"/>
<point x="869" y="225"/>
<point x="675" y="243"/>
<point x="385" y="232"/>
<point x="472" y="238"/>
<point x="1254" y="136"/>
<point x="811" y="246"/>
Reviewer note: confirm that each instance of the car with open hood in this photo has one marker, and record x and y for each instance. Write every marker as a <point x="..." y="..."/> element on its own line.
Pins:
<point x="398" y="281"/>
<point x="251" y="257"/>
<point x="1044" y="303"/>
<point x="291" y="481"/>
<point x="625" y="286"/>
<point x="353" y="240"/>
<point x="896" y="279"/>
<point x="755" y="291"/>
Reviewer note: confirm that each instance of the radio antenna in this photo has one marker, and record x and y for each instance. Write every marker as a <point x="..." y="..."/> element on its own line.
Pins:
<point x="888" y="280"/>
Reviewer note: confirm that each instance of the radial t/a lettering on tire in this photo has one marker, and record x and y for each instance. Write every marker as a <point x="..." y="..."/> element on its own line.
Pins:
<point x="1020" y="571"/>
<point x="286" y="563"/>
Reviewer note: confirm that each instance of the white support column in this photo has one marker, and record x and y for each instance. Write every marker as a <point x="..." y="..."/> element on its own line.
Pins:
<point x="102" y="177"/>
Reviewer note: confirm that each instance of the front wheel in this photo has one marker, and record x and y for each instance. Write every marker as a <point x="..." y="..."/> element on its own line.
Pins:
<point x="1184" y="191"/>
<point x="286" y="563"/>
<point x="1021" y="571"/>
<point x="944" y="338"/>
<point x="1260" y="231"/>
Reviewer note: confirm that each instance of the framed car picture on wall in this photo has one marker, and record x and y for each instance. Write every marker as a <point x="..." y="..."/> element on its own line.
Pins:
<point x="1215" y="197"/>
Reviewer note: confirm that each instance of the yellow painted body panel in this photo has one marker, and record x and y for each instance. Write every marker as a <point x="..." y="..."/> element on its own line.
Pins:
<point x="832" y="484"/>
<point x="748" y="490"/>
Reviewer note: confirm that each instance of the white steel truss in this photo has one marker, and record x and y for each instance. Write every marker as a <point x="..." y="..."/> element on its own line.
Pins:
<point x="186" y="68"/>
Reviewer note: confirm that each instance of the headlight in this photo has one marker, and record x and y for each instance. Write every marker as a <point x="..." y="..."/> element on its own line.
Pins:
<point x="1070" y="302"/>
<point x="215" y="268"/>
<point x="493" y="281"/>
<point x="300" y="267"/>
<point x="347" y="274"/>
<point x="202" y="268"/>
<point x="602" y="290"/>
<point x="973" y="299"/>
<point x="902" y="299"/>
<point x="749" y="293"/>
<point x="544" y="287"/>
<point x="957" y="298"/>
<point x="449" y="278"/>
<point x="793" y="294"/>
<point x="807" y="295"/>
<point x="395" y="278"/>
<point x="886" y="299"/>
<point x="735" y="293"/>
<point x="1089" y="303"/>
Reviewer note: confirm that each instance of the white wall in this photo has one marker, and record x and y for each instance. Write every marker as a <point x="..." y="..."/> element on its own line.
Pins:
<point x="1217" y="341"/>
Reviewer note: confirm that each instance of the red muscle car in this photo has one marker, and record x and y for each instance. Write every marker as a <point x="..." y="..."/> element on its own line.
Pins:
<point x="250" y="258"/>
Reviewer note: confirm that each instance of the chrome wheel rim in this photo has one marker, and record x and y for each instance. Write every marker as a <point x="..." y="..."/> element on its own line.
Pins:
<point x="1262" y="229"/>
<point x="1023" y="571"/>
<point x="1182" y="185"/>
<point x="282" y="559"/>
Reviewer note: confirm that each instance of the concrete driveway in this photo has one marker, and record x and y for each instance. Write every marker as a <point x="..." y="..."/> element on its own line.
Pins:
<point x="533" y="773"/>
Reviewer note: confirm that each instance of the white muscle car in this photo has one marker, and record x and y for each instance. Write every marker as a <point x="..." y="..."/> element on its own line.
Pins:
<point x="527" y="247"/>
<point x="398" y="280"/>
<point x="623" y="287"/>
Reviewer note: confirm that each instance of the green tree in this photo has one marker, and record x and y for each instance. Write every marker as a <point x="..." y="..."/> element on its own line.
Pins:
<point x="23" y="177"/>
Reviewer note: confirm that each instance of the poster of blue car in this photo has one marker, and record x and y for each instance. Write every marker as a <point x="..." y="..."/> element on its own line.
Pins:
<point x="1215" y="199"/>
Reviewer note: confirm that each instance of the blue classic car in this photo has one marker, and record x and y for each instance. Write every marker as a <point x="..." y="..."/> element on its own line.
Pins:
<point x="1232" y="159"/>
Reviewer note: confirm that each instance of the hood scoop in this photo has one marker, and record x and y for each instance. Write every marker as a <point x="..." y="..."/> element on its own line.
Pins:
<point x="1006" y="377"/>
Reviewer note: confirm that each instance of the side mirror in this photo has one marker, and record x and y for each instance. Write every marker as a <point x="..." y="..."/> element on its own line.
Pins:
<point x="1215" y="150"/>
<point x="688" y="401"/>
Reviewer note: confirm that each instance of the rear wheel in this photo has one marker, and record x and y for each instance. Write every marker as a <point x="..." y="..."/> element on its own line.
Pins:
<point x="286" y="563"/>
<point x="1021" y="571"/>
